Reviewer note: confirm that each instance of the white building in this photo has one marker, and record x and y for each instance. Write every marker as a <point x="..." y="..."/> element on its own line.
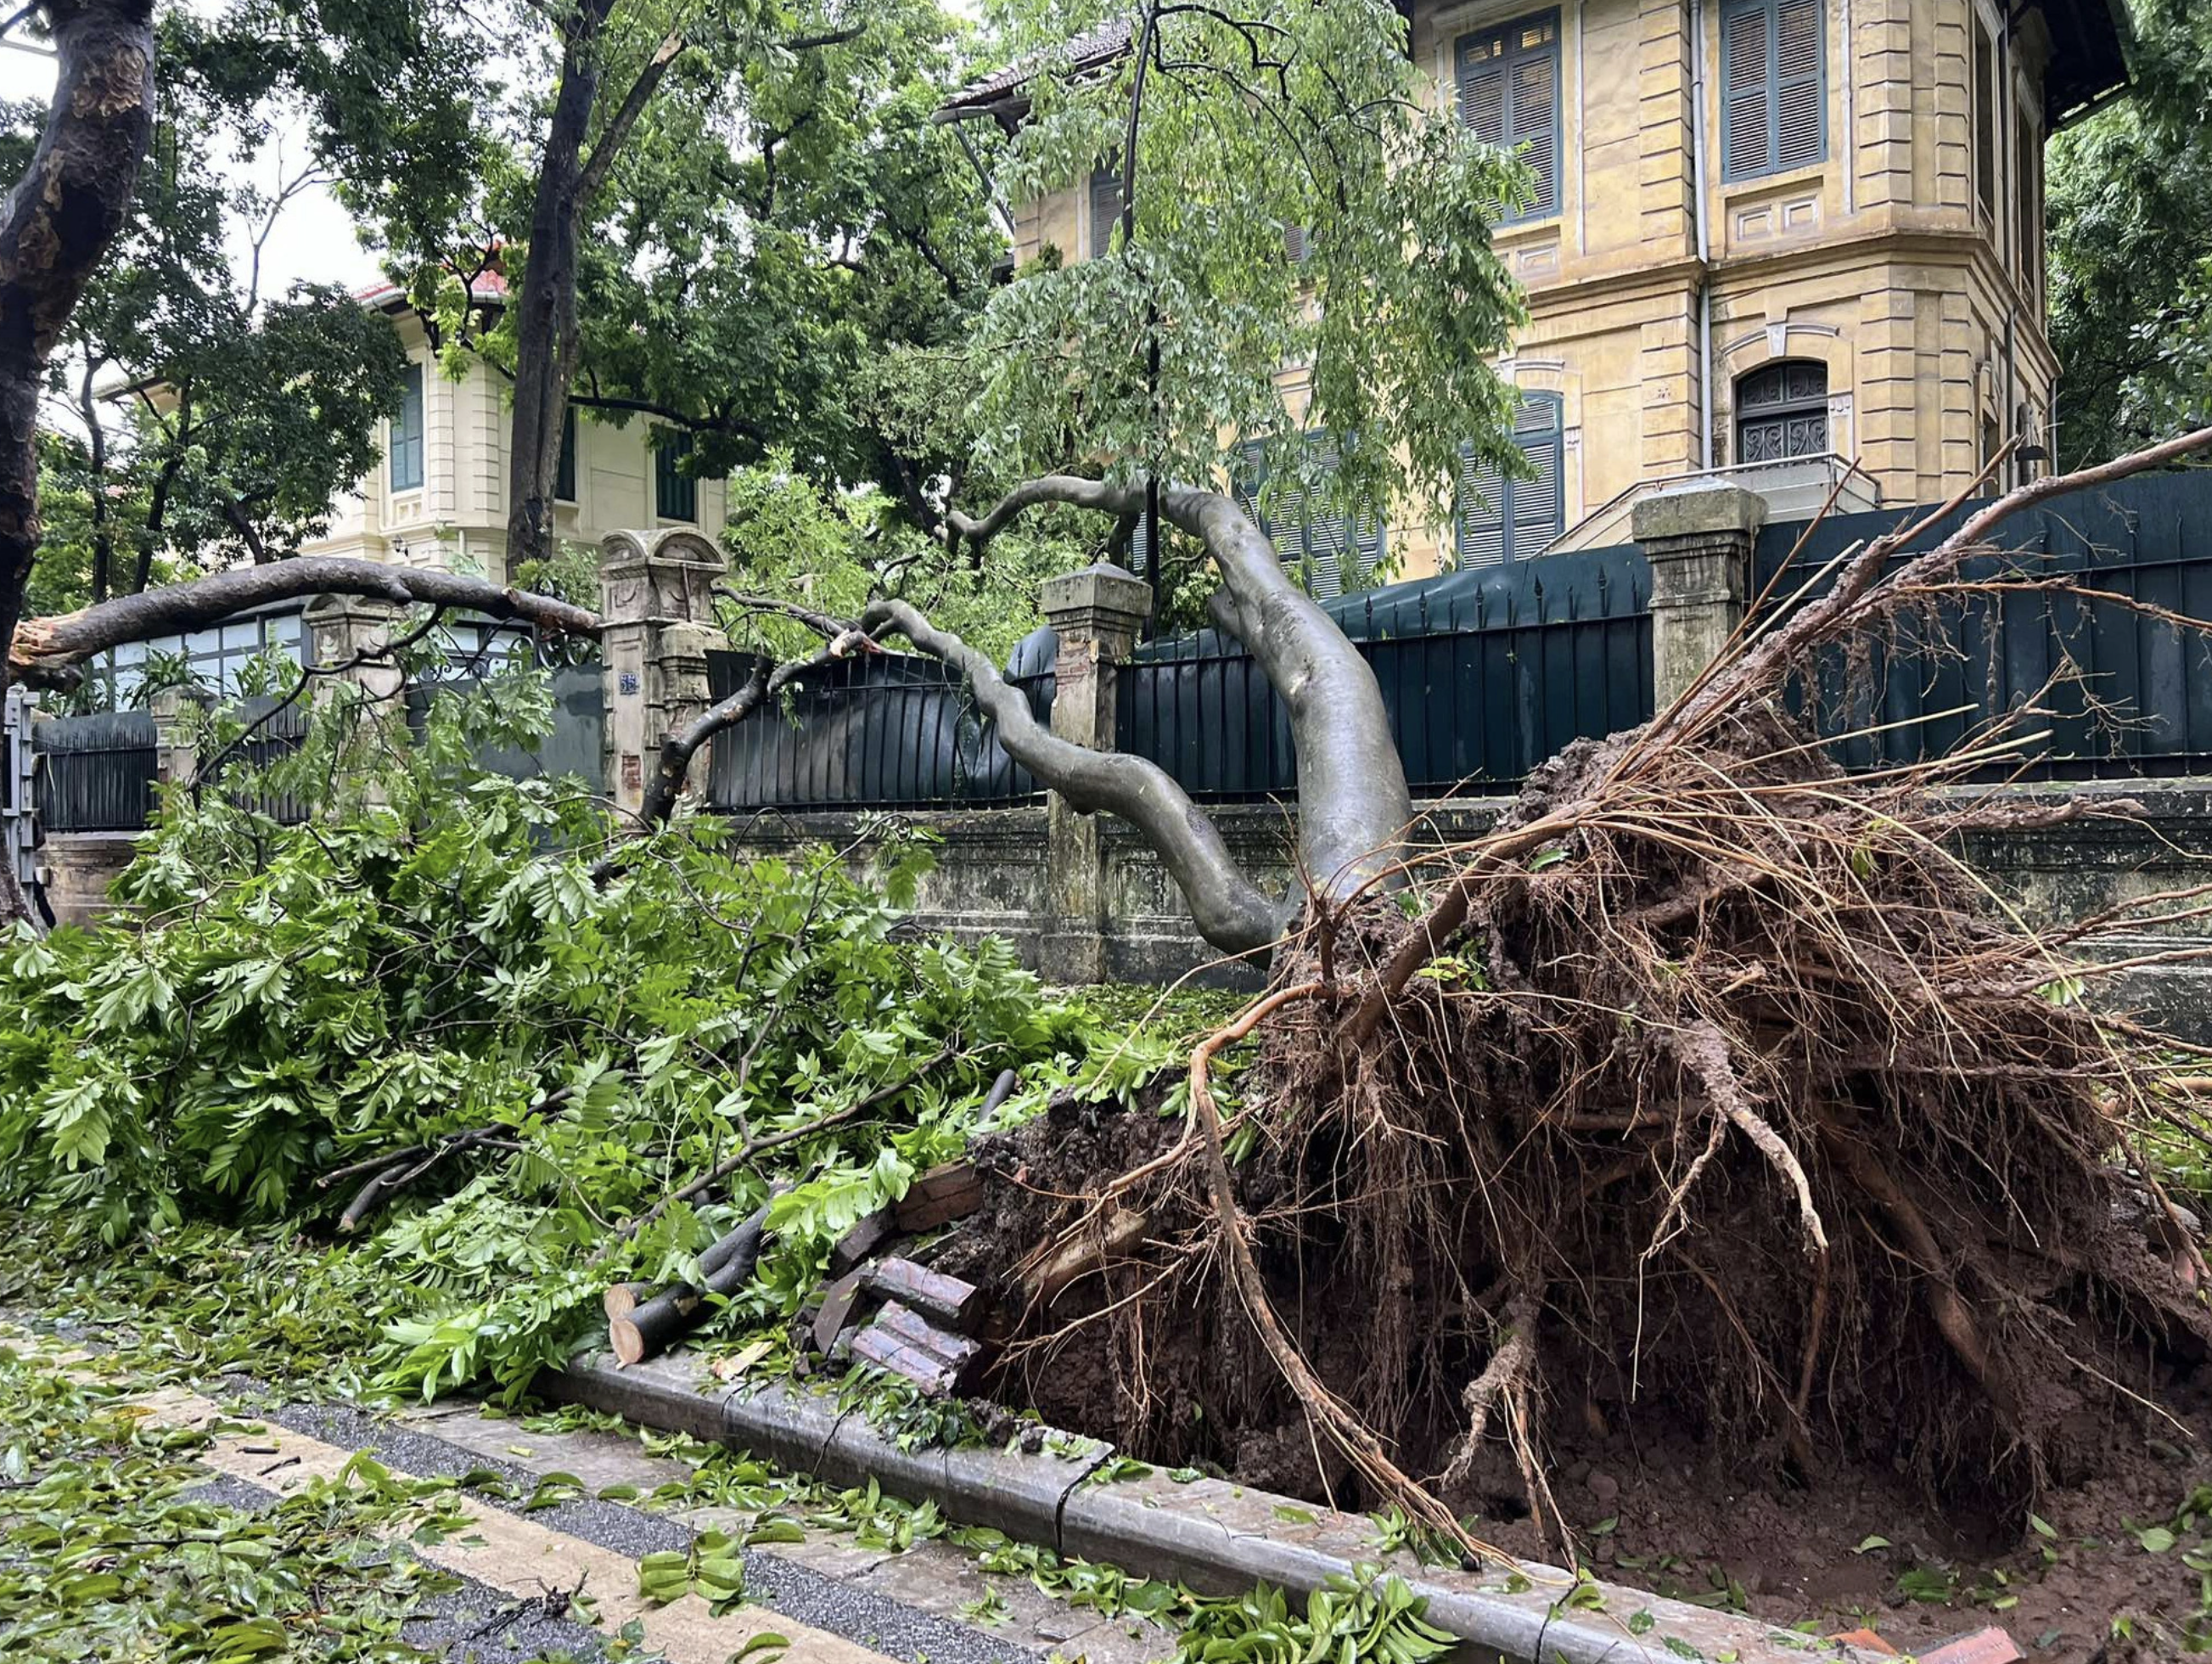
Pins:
<point x="439" y="496"/>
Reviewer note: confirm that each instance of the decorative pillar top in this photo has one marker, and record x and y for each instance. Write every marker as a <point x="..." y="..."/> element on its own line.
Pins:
<point x="665" y="573"/>
<point x="1102" y="603"/>
<point x="1700" y="511"/>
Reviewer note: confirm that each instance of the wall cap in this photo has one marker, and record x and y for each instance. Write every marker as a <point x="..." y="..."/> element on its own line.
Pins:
<point x="1100" y="596"/>
<point x="1702" y="509"/>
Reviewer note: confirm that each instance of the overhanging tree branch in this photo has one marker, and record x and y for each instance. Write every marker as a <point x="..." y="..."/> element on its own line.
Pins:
<point x="43" y="651"/>
<point x="618" y="126"/>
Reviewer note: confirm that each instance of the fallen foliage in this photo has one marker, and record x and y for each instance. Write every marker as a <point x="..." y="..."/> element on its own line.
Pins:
<point x="417" y="1019"/>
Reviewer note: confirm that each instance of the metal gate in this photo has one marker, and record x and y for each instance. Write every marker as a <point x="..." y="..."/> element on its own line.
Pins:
<point x="19" y="804"/>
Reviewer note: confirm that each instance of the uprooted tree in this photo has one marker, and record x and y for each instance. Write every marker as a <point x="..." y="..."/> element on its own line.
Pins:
<point x="1710" y="1082"/>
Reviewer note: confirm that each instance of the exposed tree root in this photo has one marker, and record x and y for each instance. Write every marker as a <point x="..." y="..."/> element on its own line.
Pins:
<point x="1711" y="1086"/>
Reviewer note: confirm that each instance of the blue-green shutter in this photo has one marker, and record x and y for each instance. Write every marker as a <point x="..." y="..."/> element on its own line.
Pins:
<point x="404" y="451"/>
<point x="1509" y="97"/>
<point x="1801" y="100"/>
<point x="1773" y="86"/>
<point x="1540" y="504"/>
<point x="675" y="493"/>
<point x="1105" y="208"/>
<point x="1304" y="537"/>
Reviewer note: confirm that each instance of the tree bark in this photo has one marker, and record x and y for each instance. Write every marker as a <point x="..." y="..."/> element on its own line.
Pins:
<point x="46" y="650"/>
<point x="57" y="222"/>
<point x="103" y="534"/>
<point x="1354" y="807"/>
<point x="546" y="341"/>
<point x="647" y="1330"/>
<point x="1230" y="910"/>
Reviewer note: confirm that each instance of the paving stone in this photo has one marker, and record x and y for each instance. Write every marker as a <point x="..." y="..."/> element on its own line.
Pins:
<point x="599" y="1459"/>
<point x="833" y="1553"/>
<point x="1217" y="1537"/>
<point x="939" y="1578"/>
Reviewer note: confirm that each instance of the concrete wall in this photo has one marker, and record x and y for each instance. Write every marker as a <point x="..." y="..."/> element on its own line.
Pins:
<point x="992" y="876"/>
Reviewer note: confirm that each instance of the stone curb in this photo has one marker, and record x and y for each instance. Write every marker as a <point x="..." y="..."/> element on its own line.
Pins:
<point x="1217" y="1537"/>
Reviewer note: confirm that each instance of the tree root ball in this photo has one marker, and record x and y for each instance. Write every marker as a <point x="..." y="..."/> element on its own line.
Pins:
<point x="1733" y="1108"/>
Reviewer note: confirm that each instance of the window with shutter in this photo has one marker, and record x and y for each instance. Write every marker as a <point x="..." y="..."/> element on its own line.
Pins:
<point x="1105" y="209"/>
<point x="2028" y="177"/>
<point x="675" y="493"/>
<point x="1509" y="97"/>
<point x="1774" y="89"/>
<point x="1501" y="519"/>
<point x="564" y="472"/>
<point x="404" y="449"/>
<point x="1315" y="539"/>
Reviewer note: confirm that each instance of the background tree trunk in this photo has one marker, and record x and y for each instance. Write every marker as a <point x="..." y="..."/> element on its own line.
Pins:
<point x="545" y="337"/>
<point x="58" y="222"/>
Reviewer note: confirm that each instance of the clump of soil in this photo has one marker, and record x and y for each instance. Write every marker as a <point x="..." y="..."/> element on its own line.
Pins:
<point x="1654" y="1498"/>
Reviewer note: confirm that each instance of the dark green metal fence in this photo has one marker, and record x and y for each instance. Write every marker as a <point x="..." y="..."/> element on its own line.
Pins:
<point x="1484" y="674"/>
<point x="94" y="773"/>
<point x="886" y="730"/>
<point x="2127" y="692"/>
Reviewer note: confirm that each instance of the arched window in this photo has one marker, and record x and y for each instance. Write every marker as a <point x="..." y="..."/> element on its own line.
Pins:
<point x="1782" y="411"/>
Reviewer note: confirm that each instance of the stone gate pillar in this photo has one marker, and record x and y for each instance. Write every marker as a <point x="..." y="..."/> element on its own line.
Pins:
<point x="1097" y="612"/>
<point x="1698" y="538"/>
<point x="176" y="712"/>
<point x="656" y="592"/>
<point x="340" y="628"/>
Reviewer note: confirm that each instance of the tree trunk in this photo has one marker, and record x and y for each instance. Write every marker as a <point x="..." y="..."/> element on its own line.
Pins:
<point x="545" y="337"/>
<point x="1355" y="810"/>
<point x="103" y="534"/>
<point x="57" y="222"/>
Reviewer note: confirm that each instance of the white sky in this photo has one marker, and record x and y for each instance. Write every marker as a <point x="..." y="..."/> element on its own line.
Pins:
<point x="313" y="241"/>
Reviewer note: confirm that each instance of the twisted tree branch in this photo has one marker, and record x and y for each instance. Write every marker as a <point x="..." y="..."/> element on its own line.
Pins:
<point x="1230" y="910"/>
<point x="1354" y="807"/>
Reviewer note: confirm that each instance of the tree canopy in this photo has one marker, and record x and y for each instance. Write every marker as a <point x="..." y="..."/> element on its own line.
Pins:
<point x="1305" y="238"/>
<point x="196" y="418"/>
<point x="2130" y="226"/>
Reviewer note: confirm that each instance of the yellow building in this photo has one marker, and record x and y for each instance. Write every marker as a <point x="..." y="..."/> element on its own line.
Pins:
<point x="1773" y="237"/>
